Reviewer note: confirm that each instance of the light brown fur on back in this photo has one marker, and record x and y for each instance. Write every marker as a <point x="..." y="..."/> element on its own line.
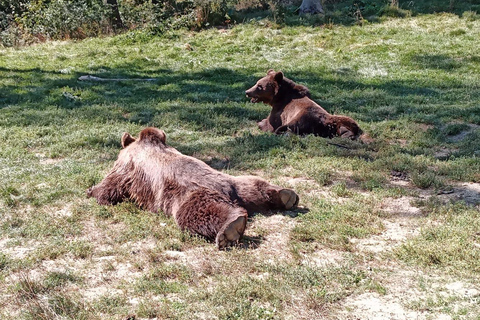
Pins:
<point x="202" y="200"/>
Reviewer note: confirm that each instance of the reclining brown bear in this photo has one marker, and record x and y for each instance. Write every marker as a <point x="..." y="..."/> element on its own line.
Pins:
<point x="294" y="111"/>
<point x="202" y="200"/>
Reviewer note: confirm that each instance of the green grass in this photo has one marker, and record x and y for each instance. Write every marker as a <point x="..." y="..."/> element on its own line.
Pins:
<point x="448" y="239"/>
<point x="412" y="84"/>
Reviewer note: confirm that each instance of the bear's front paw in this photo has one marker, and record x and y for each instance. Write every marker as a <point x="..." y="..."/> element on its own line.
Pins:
<point x="346" y="133"/>
<point x="231" y="233"/>
<point x="89" y="192"/>
<point x="288" y="198"/>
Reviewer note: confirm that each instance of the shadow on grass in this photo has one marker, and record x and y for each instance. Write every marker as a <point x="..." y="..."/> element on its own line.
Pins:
<point x="435" y="61"/>
<point x="468" y="193"/>
<point x="36" y="89"/>
<point x="213" y="100"/>
<point x="36" y="86"/>
<point x="254" y="242"/>
<point x="251" y="242"/>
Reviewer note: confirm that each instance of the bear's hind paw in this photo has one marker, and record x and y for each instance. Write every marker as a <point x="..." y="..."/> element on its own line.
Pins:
<point x="289" y="198"/>
<point x="232" y="233"/>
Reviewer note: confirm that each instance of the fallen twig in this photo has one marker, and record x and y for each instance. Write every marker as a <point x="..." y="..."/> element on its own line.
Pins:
<point x="93" y="78"/>
<point x="338" y="145"/>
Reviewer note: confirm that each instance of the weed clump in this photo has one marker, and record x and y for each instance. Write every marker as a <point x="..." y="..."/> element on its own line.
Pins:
<point x="10" y="195"/>
<point x="471" y="16"/>
<point x="427" y="179"/>
<point x="394" y="12"/>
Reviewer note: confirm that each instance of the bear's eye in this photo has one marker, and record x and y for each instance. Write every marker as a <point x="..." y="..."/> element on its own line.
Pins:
<point x="260" y="87"/>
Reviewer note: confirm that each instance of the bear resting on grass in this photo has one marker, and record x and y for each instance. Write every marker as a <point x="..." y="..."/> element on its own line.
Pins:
<point x="294" y="111"/>
<point x="202" y="200"/>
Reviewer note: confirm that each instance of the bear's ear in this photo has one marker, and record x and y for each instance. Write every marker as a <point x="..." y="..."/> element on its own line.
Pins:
<point x="127" y="139"/>
<point x="153" y="135"/>
<point x="278" y="76"/>
<point x="270" y="71"/>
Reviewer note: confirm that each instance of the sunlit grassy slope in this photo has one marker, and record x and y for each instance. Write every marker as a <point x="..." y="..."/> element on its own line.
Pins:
<point x="413" y="85"/>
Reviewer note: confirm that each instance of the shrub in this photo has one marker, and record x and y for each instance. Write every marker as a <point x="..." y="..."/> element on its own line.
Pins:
<point x="66" y="19"/>
<point x="211" y="12"/>
<point x="470" y="16"/>
<point x="394" y="11"/>
<point x="427" y="179"/>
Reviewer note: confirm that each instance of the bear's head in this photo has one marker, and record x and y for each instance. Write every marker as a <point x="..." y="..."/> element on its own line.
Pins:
<point x="266" y="88"/>
<point x="131" y="174"/>
<point x="152" y="136"/>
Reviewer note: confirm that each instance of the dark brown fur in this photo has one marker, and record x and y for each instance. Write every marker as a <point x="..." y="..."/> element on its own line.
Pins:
<point x="201" y="200"/>
<point x="294" y="111"/>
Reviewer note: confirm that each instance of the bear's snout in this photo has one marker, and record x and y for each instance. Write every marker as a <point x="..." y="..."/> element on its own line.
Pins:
<point x="249" y="92"/>
<point x="89" y="192"/>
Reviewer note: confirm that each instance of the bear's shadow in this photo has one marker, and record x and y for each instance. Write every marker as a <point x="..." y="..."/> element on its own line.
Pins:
<point x="254" y="242"/>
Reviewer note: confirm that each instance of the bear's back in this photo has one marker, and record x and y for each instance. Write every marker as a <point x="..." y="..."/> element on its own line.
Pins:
<point x="188" y="173"/>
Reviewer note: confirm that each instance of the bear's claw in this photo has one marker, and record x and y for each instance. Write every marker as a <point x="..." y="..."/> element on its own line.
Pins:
<point x="289" y="198"/>
<point x="232" y="233"/>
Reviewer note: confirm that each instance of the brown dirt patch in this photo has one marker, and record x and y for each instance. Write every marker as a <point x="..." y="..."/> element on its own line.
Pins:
<point x="462" y="135"/>
<point x="468" y="192"/>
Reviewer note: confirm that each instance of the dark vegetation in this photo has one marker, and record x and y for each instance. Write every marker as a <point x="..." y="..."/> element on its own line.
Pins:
<point x="30" y="21"/>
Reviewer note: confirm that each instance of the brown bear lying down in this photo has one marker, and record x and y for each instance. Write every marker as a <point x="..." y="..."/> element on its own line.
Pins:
<point x="202" y="200"/>
<point x="294" y="111"/>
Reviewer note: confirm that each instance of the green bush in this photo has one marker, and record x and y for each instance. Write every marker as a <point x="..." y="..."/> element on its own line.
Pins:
<point x="395" y="12"/>
<point x="27" y="21"/>
<point x="65" y="19"/>
<point x="471" y="15"/>
<point x="211" y="12"/>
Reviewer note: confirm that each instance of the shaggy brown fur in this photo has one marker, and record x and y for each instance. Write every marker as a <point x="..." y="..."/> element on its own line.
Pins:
<point x="201" y="200"/>
<point x="294" y="111"/>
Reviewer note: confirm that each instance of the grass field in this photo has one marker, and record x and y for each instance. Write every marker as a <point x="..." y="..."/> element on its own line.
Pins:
<point x="388" y="229"/>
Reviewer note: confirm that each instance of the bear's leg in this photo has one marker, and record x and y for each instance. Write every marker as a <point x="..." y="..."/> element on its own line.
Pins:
<point x="288" y="128"/>
<point x="284" y="199"/>
<point x="256" y="195"/>
<point x="108" y="192"/>
<point x="114" y="188"/>
<point x="265" y="125"/>
<point x="288" y="198"/>
<point x="211" y="215"/>
<point x="345" y="132"/>
<point x="231" y="232"/>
